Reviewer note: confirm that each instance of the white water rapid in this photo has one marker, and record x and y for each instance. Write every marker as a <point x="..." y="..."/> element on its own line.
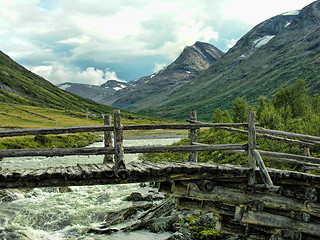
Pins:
<point x="68" y="213"/>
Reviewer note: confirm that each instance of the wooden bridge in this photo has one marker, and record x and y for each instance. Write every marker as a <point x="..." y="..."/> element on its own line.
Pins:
<point x="254" y="201"/>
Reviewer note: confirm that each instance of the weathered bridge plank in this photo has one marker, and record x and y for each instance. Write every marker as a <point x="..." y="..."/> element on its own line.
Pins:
<point x="89" y="174"/>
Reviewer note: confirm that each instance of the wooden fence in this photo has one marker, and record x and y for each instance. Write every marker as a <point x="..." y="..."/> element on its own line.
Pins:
<point x="114" y="153"/>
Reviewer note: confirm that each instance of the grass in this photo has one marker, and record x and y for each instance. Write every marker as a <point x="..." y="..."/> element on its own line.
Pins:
<point x="21" y="116"/>
<point x="13" y="116"/>
<point x="50" y="141"/>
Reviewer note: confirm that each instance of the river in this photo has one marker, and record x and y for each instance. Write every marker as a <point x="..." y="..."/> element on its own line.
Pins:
<point x="49" y="213"/>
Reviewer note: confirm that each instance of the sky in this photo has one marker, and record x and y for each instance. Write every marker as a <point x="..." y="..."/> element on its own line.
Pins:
<point x="92" y="41"/>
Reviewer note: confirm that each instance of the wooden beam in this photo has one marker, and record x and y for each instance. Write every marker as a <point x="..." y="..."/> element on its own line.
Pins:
<point x="97" y="174"/>
<point x="312" y="139"/>
<point x="119" y="165"/>
<point x="288" y="157"/>
<point x="193" y="156"/>
<point x="240" y="197"/>
<point x="277" y="221"/>
<point x="252" y="146"/>
<point x="61" y="130"/>
<point x="263" y="170"/>
<point x="267" y="136"/>
<point x="102" y="128"/>
<point x="50" y="152"/>
<point x="108" y="158"/>
<point x="219" y="125"/>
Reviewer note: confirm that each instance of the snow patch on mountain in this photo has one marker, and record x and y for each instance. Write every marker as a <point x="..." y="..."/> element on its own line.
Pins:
<point x="262" y="41"/>
<point x="294" y="12"/>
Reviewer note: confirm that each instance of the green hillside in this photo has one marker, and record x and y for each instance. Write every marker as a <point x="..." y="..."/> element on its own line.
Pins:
<point x="29" y="101"/>
<point x="20" y="86"/>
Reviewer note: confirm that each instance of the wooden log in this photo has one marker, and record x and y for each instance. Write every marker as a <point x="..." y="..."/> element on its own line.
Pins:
<point x="277" y="221"/>
<point x="95" y="170"/>
<point x="252" y="146"/>
<point x="108" y="158"/>
<point x="193" y="156"/>
<point x="186" y="148"/>
<point x="312" y="139"/>
<point x="263" y="170"/>
<point x="267" y="136"/>
<point x="50" y="152"/>
<point x="288" y="157"/>
<point x="119" y="165"/>
<point x="86" y="171"/>
<point x="72" y="172"/>
<point x="219" y="125"/>
<point x="63" y="130"/>
<point x="240" y="197"/>
<point x="180" y="126"/>
<point x="285" y="140"/>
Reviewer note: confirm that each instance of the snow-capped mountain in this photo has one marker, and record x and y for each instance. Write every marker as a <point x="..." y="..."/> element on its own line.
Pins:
<point x="94" y="92"/>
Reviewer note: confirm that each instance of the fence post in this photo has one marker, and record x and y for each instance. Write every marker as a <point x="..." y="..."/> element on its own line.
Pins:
<point x="252" y="146"/>
<point x="193" y="157"/>
<point x="108" y="158"/>
<point x="119" y="165"/>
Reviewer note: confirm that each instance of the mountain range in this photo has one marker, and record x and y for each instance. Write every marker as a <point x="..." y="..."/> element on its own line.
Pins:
<point x="153" y="89"/>
<point x="272" y="55"/>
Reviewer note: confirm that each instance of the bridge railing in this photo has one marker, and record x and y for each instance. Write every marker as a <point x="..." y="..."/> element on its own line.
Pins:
<point x="116" y="149"/>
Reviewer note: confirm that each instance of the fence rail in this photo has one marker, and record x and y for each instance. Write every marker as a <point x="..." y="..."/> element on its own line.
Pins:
<point x="115" y="152"/>
<point x="103" y="128"/>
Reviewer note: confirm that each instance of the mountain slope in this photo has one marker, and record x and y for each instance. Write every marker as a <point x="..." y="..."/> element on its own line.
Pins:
<point x="274" y="54"/>
<point x="154" y="89"/>
<point x="20" y="86"/>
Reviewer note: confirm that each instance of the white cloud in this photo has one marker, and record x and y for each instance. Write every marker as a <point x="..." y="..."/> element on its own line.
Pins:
<point x="90" y="76"/>
<point x="75" y="40"/>
<point x="256" y="11"/>
<point x="43" y="71"/>
<point x="158" y="67"/>
<point x="57" y="73"/>
<point x="231" y="42"/>
<point x="110" y="75"/>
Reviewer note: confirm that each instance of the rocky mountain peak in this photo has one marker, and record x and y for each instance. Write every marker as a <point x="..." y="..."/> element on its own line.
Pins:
<point x="153" y="89"/>
<point x="309" y="15"/>
<point x="196" y="58"/>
